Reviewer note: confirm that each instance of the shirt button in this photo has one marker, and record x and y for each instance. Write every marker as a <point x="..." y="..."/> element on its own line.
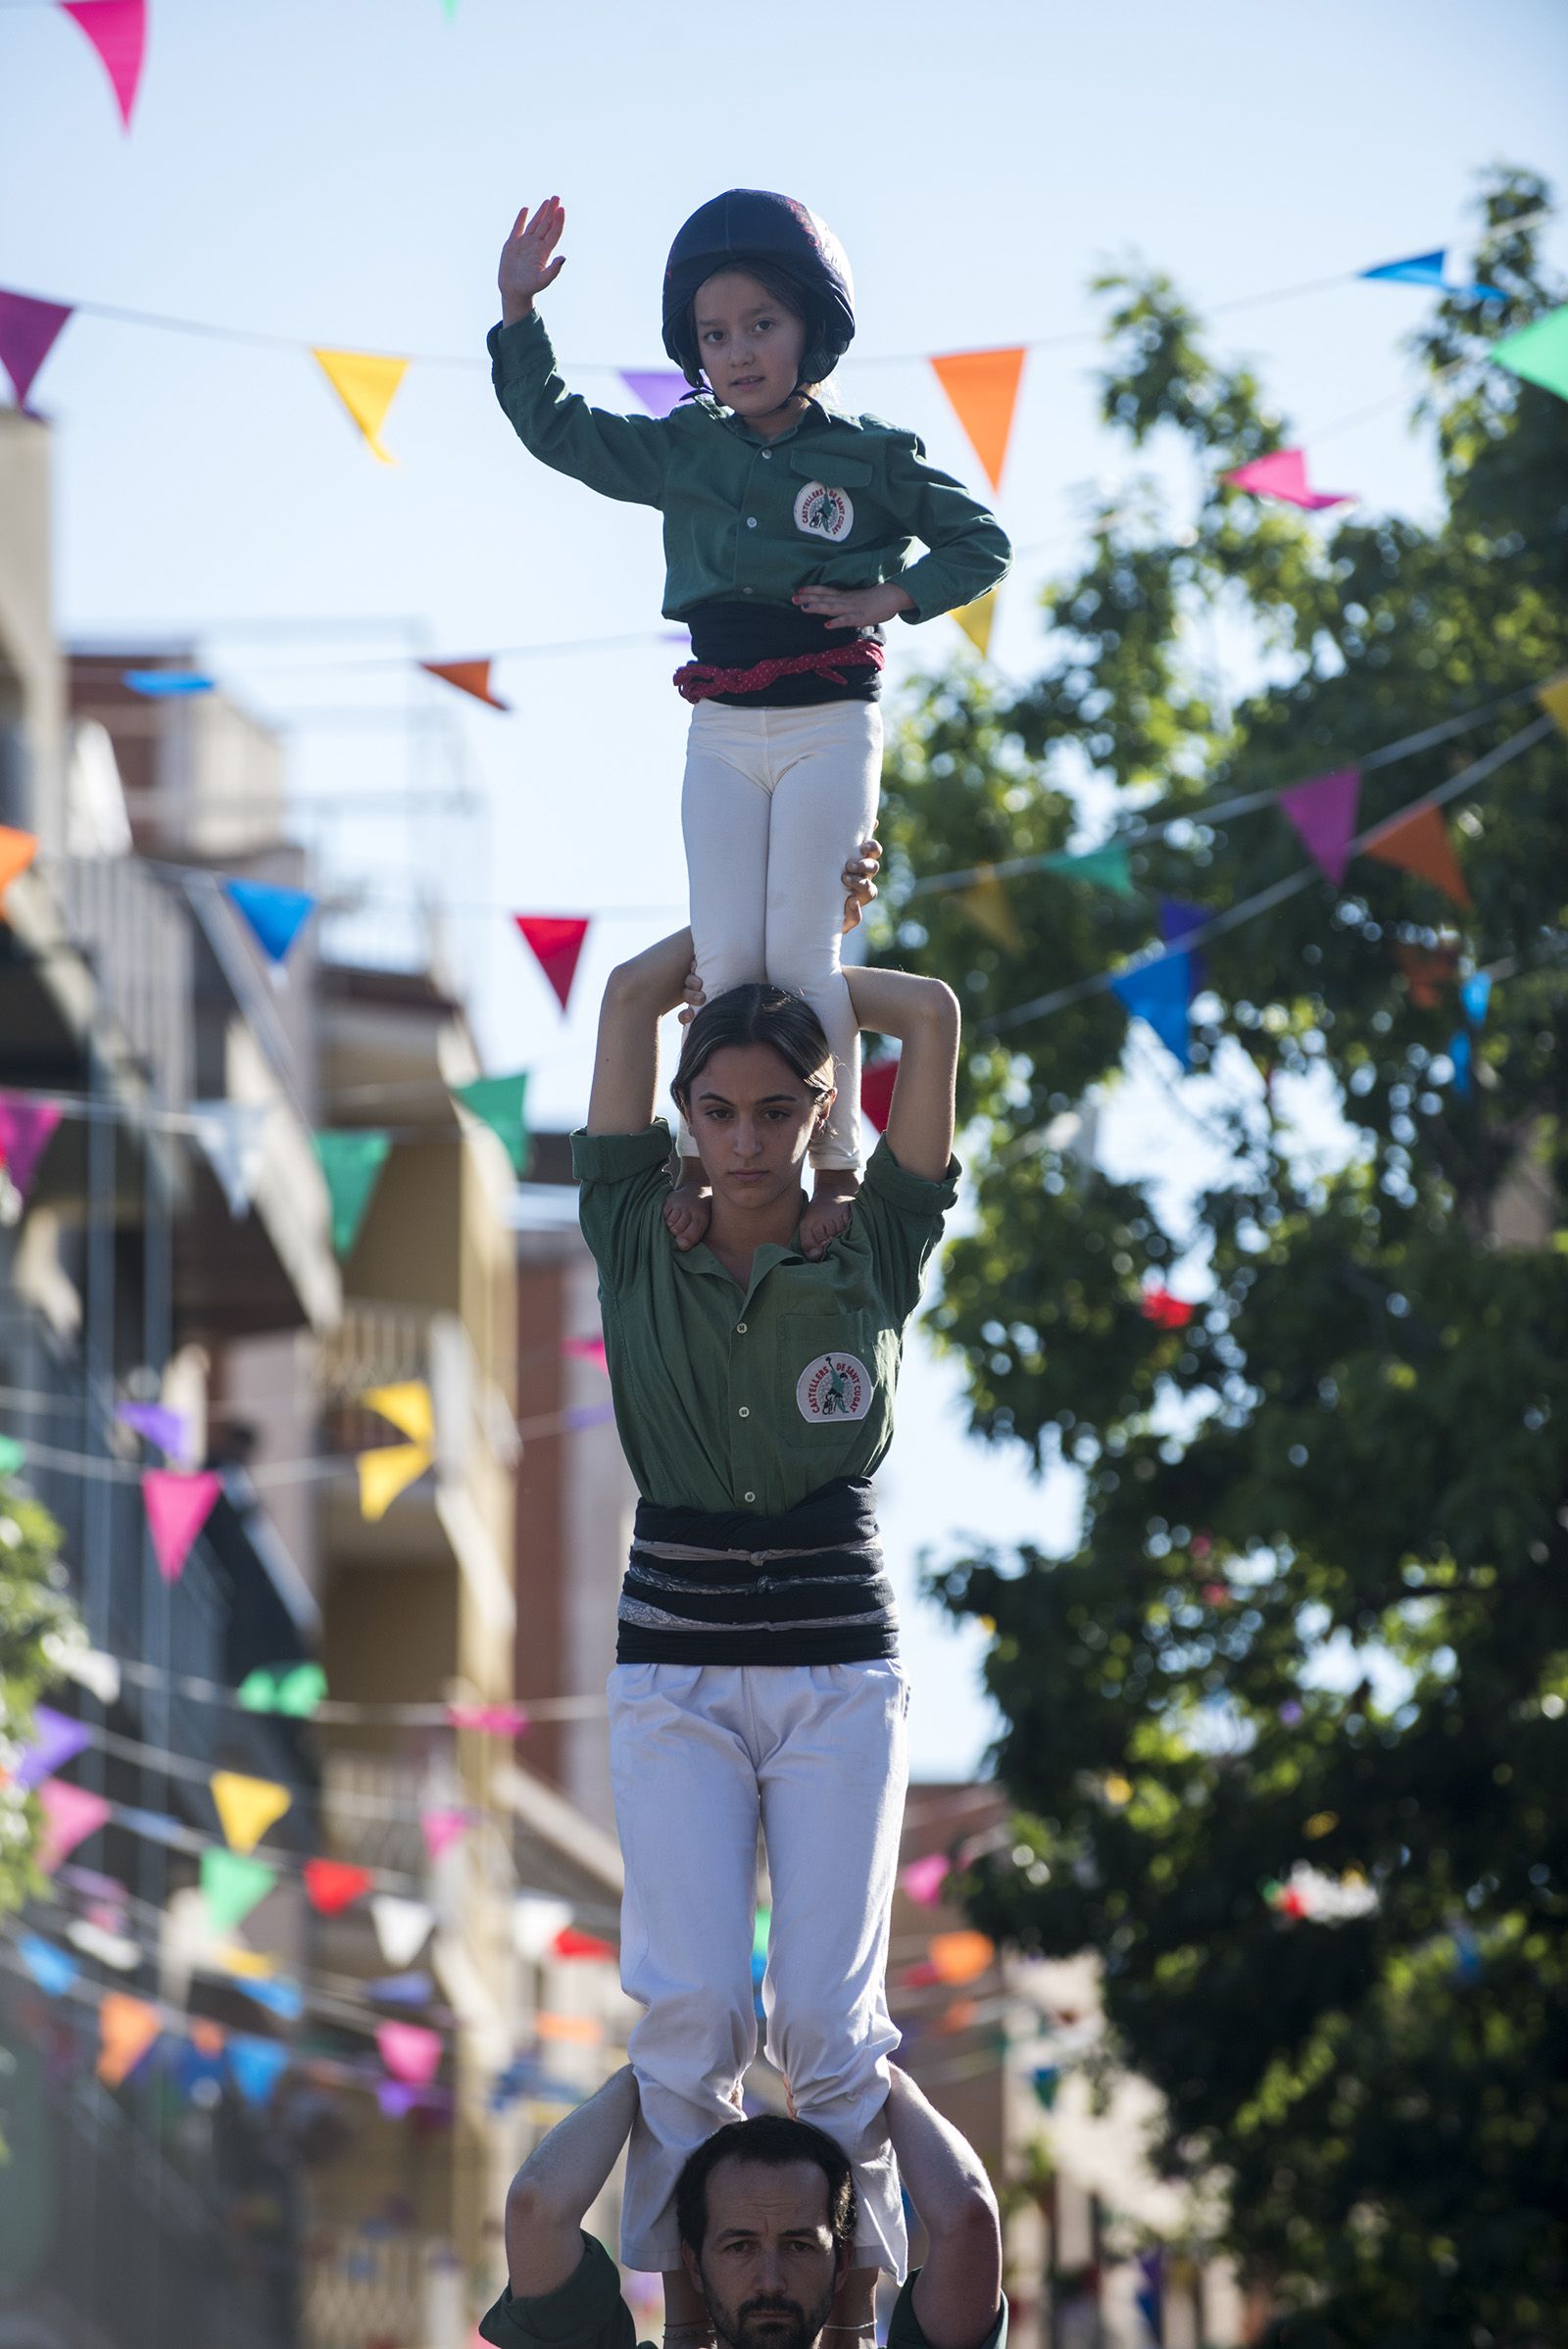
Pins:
<point x="751" y="521"/>
<point x="745" y="1411"/>
<point x="747" y="591"/>
<point x="749" y="1496"/>
<point x="767" y="456"/>
<point x="740" y="1329"/>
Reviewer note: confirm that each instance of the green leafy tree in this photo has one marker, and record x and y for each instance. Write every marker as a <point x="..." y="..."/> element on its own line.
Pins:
<point x="36" y="1621"/>
<point x="1318" y="1613"/>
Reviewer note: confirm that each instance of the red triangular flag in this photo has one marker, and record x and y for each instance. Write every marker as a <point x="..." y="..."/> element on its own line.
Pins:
<point x="334" y="1885"/>
<point x="877" y="1080"/>
<point x="28" y="332"/>
<point x="570" y="1942"/>
<point x="1420" y="843"/>
<point x="1426" y="975"/>
<point x="118" y="30"/>
<point x="557" y="940"/>
<point x="177" y="1507"/>
<point x="468" y="677"/>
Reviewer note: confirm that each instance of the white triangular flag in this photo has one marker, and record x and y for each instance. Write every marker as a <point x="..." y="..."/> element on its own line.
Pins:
<point x="402" y="1927"/>
<point x="230" y="1133"/>
<point x="94" y="1941"/>
<point x="536" y="1920"/>
<point x="92" y="1669"/>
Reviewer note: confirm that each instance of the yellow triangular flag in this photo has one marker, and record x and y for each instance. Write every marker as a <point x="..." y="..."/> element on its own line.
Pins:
<point x="1553" y="699"/>
<point x="247" y="1807"/>
<point x="386" y="1473"/>
<point x="407" y="1406"/>
<point x="366" y="385"/>
<point x="976" y="619"/>
<point x="990" y="909"/>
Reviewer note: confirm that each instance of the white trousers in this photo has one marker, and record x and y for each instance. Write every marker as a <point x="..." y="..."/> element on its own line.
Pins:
<point x="774" y="804"/>
<point x="701" y="1757"/>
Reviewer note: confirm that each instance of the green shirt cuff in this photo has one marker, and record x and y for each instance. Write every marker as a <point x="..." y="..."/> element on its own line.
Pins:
<point x="909" y="1194"/>
<point x="618" y="1157"/>
<point x="904" y="2325"/>
<point x="519" y="348"/>
<point x="582" y="2309"/>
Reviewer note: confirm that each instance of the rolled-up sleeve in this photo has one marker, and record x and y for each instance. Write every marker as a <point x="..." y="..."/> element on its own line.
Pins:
<point x="623" y="457"/>
<point x="969" y="552"/>
<point x="586" y="2311"/>
<point x="623" y="1185"/>
<point x="902" y="1216"/>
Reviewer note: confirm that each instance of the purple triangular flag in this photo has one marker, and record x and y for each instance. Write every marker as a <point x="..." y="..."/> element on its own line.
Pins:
<point x="56" y="1739"/>
<point x="1323" y="813"/>
<point x="1177" y="923"/>
<point x="24" y="1130"/>
<point x="28" y="332"/>
<point x="158" y="1423"/>
<point x="659" y="389"/>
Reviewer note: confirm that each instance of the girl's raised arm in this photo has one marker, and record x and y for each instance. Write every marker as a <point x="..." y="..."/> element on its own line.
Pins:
<point x="923" y="1015"/>
<point x="637" y="995"/>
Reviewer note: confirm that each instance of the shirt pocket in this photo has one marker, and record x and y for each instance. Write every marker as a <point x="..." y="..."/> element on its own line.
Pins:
<point x="827" y="496"/>
<point x="831" y="1378"/>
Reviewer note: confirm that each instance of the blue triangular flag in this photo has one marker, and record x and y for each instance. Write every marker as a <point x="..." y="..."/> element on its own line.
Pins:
<point x="164" y="684"/>
<point x="1426" y="269"/>
<point x="1475" y="994"/>
<point x="256" y="2065"/>
<point x="281" y="1998"/>
<point x="49" y="1967"/>
<point x="275" y="916"/>
<point x="1459" y="1054"/>
<point x="402" y="1989"/>
<point x="1177" y="923"/>
<point x="1160" y="993"/>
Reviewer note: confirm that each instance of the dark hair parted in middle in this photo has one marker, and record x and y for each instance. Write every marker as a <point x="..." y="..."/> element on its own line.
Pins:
<point x="773" y="2142"/>
<point x="755" y="1013"/>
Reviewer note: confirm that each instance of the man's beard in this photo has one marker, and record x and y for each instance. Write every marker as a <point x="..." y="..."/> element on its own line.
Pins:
<point x="737" y="2325"/>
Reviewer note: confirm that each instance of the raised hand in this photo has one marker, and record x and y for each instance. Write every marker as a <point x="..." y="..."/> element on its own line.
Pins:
<point x="526" y="264"/>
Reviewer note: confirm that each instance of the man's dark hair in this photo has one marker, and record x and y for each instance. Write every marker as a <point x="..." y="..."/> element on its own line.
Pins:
<point x="773" y="2142"/>
<point x="755" y="1013"/>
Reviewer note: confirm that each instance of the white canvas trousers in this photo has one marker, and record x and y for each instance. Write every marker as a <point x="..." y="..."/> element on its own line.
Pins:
<point x="701" y="1757"/>
<point x="774" y="805"/>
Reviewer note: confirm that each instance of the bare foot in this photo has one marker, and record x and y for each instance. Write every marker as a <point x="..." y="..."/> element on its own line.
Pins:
<point x="828" y="1211"/>
<point x="688" y="1212"/>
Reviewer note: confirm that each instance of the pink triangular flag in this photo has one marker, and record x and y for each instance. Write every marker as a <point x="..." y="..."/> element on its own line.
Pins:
<point x="71" y="1815"/>
<point x="118" y="30"/>
<point x="26" y="1127"/>
<point x="586" y="1349"/>
<point x="28" y="332"/>
<point x="659" y="389"/>
<point x="409" y="2052"/>
<point x="441" y="1828"/>
<point x="1323" y="813"/>
<point x="495" y="1720"/>
<point x="177" y="1507"/>
<point x="923" y="1880"/>
<point x="556" y="942"/>
<point x="1283" y="474"/>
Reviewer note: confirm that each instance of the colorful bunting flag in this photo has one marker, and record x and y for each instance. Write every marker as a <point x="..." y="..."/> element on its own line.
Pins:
<point x="1160" y="993"/>
<point x="256" y="2065"/>
<point x="441" y="1829"/>
<point x="118" y="30"/>
<point x="402" y="1989"/>
<point x="334" y="1885"/>
<point x="409" y="2052"/>
<point x="156" y="1423"/>
<point x="178" y="1507"/>
<point x="1425" y="973"/>
<point x="284" y="1999"/>
<point x="366" y="384"/>
<point x="273" y="915"/>
<point x="923" y="1880"/>
<point x="1553" y="699"/>
<point x="89" y="1667"/>
<point x="978" y="620"/>
<point x="351" y="1162"/>
<point x="13" y="1457"/>
<point x="1420" y="843"/>
<point x="247" y="1806"/>
<point x="1106" y="865"/>
<point x="959" y="1957"/>
<point x="571" y="2031"/>
<point x="989" y="907"/>
<point x="293" y="1690"/>
<point x="1461" y="1052"/>
<point x="232" y="1885"/>
<point x="231" y="1135"/>
<point x="1045" y="2080"/>
<point x="877" y="1080"/>
<point x="556" y="942"/>
<point x="402" y="1927"/>
<point x="385" y="1473"/>
<point x="1323" y="813"/>
<point x="572" y="1942"/>
<point x="50" y="1968"/>
<point x="1427" y="268"/>
<point x="407" y="1407"/>
<point x="1539" y="351"/>
<point x="28" y="329"/>
<point x="659" y="389"/>
<point x="494" y="1720"/>
<point x="126" y="2029"/>
<point x="1178" y="922"/>
<point x="25" y="1129"/>
<point x="71" y="1815"/>
<point x="1283" y="474"/>
<point x="502" y="1103"/>
<point x="98" y="1940"/>
<point x="168" y="684"/>
<point x="17" y="852"/>
<point x="1166" y="1311"/>
<point x="56" y="1741"/>
<point x="469" y="677"/>
<point x="983" y="387"/>
<point x="1475" y="994"/>
<point x="536" y="1920"/>
<point x="586" y="1349"/>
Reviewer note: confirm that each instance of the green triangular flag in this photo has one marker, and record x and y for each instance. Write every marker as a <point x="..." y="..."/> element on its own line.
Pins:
<point x="502" y="1103"/>
<point x="351" y="1163"/>
<point x="13" y="1455"/>
<point x="294" y="1689"/>
<point x="1106" y="865"/>
<point x="1539" y="351"/>
<point x="232" y="1884"/>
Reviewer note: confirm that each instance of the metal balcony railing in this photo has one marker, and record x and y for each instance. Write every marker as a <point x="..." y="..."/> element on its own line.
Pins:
<point x="137" y="937"/>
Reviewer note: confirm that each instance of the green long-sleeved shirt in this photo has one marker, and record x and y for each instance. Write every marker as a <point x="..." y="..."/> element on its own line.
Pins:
<point x="838" y="500"/>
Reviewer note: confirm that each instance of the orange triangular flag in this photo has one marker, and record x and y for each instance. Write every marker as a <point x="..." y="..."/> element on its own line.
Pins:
<point x="983" y="386"/>
<point x="247" y="1806"/>
<point x="1420" y="843"/>
<point x="977" y="619"/>
<point x="17" y="852"/>
<point x="468" y="677"/>
<point x="1553" y="699"/>
<point x="126" y="2028"/>
<point x="366" y="385"/>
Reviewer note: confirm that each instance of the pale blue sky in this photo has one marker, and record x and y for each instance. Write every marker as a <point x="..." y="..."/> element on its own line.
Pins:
<point x="343" y="171"/>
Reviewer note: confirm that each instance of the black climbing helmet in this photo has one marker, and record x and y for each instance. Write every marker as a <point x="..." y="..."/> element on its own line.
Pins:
<point x="748" y="228"/>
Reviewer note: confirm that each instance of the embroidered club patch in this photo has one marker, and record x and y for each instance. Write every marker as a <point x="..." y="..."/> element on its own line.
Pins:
<point x="834" y="1387"/>
<point x="824" y="513"/>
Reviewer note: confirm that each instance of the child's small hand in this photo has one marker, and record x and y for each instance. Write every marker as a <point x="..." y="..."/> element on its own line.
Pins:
<point x="859" y="881"/>
<point x="693" y="993"/>
<point x="854" y="606"/>
<point x="526" y="267"/>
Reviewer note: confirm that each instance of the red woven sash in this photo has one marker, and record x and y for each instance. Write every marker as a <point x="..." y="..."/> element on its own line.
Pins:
<point x="698" y="680"/>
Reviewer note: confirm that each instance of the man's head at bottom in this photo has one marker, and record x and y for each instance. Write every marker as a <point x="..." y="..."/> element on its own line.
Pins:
<point x="767" y="2211"/>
